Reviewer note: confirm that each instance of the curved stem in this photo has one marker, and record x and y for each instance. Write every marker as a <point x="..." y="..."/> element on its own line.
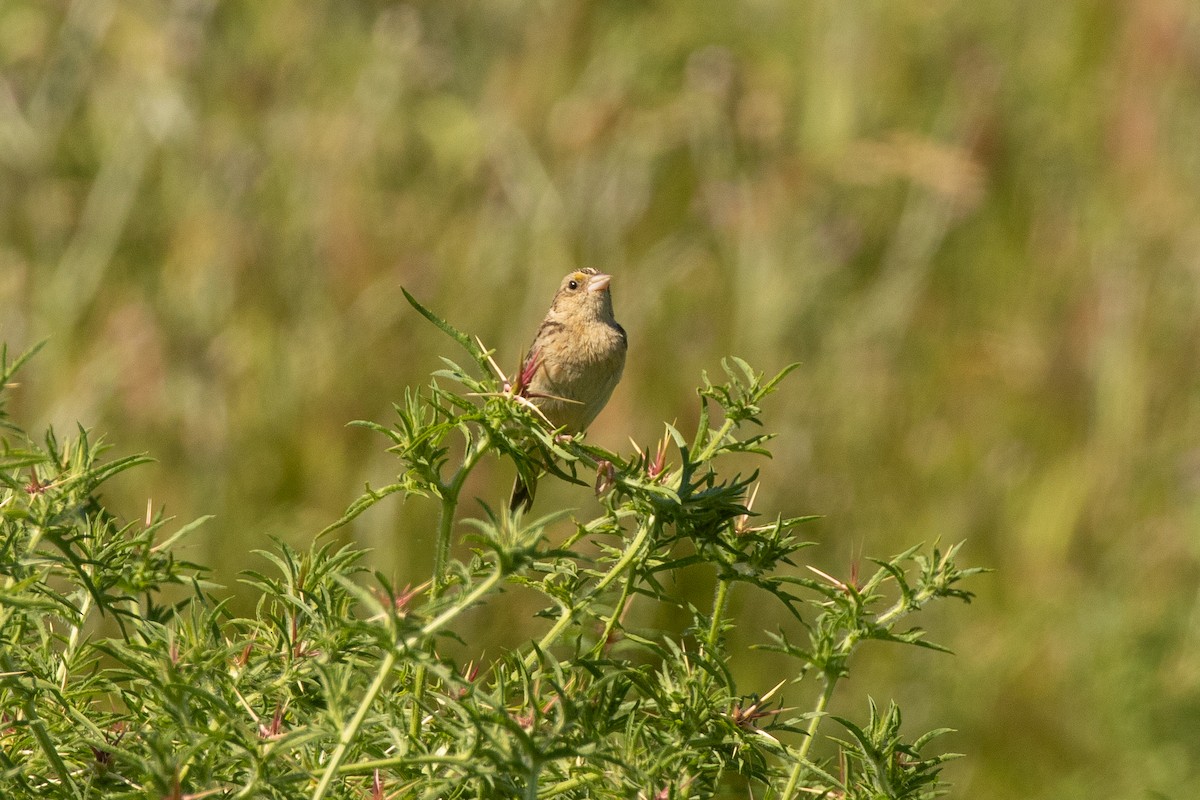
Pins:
<point x="617" y="612"/>
<point x="631" y="553"/>
<point x="715" y="441"/>
<point x="385" y="670"/>
<point x="585" y="530"/>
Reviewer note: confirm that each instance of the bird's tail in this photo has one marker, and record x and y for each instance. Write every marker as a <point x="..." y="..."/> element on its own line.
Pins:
<point x="522" y="494"/>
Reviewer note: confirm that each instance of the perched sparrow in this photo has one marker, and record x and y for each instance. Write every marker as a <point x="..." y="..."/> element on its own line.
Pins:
<point x="576" y="359"/>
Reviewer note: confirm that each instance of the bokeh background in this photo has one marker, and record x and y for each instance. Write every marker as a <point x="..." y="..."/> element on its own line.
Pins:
<point x="974" y="223"/>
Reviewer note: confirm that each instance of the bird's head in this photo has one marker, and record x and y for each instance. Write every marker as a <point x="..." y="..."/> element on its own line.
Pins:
<point x="584" y="294"/>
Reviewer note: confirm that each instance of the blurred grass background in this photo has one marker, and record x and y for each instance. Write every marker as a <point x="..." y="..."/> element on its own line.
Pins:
<point x="974" y="223"/>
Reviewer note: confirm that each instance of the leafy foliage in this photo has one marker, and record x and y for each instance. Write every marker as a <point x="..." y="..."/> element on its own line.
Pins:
<point x="124" y="674"/>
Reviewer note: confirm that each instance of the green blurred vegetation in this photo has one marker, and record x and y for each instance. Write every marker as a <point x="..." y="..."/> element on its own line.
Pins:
<point x="973" y="223"/>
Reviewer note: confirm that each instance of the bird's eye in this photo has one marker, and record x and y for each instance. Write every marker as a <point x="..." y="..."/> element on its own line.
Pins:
<point x="573" y="285"/>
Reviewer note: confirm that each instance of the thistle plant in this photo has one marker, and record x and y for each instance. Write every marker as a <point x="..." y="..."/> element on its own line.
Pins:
<point x="124" y="674"/>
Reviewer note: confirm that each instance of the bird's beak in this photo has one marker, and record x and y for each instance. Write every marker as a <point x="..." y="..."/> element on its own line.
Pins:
<point x="599" y="282"/>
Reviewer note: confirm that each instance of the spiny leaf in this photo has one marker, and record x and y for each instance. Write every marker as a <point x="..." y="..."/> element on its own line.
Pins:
<point x="479" y="354"/>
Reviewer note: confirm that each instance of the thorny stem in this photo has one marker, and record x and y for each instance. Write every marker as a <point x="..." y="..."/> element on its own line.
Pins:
<point x="631" y="553"/>
<point x="711" y="448"/>
<point x="619" y="608"/>
<point x="902" y="607"/>
<point x="617" y="612"/>
<point x="899" y="609"/>
<point x="531" y="787"/>
<point x="720" y="601"/>
<point x="891" y="615"/>
<point x="583" y="531"/>
<point x="385" y="670"/>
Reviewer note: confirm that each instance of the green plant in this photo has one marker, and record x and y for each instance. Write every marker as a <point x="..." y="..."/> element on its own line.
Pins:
<point x="338" y="685"/>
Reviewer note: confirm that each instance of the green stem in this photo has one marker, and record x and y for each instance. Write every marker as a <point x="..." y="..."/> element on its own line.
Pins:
<point x="562" y="787"/>
<point x="35" y="722"/>
<point x="351" y="730"/>
<point x="900" y="608"/>
<point x="385" y="670"/>
<point x="582" y="531"/>
<point x="73" y="640"/>
<point x="846" y="647"/>
<point x="531" y="788"/>
<point x="617" y="613"/>
<point x="711" y="448"/>
<point x="810" y="736"/>
<point x="449" y="493"/>
<point x="718" y="611"/>
<point x="41" y="732"/>
<point x="460" y="761"/>
<point x="418" y="692"/>
<point x="631" y="554"/>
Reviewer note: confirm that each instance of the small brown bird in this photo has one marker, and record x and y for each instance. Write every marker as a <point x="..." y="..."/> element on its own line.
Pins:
<point x="576" y="359"/>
